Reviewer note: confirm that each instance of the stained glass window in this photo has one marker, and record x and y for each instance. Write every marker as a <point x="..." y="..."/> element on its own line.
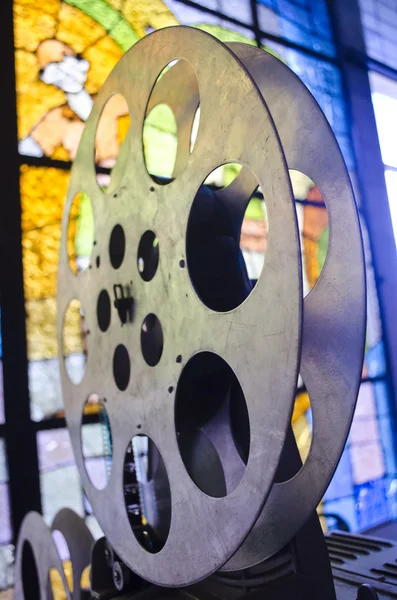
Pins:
<point x="384" y="98"/>
<point x="305" y="23"/>
<point x="379" y="21"/>
<point x="59" y="476"/>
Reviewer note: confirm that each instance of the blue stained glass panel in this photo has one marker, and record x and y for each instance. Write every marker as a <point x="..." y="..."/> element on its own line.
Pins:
<point x="194" y="16"/>
<point x="382" y="398"/>
<point x="345" y="508"/>
<point x="303" y="22"/>
<point x="379" y="21"/>
<point x="372" y="506"/>
<point x="342" y="483"/>
<point x="388" y="443"/>
<point x="375" y="358"/>
<point x="236" y="9"/>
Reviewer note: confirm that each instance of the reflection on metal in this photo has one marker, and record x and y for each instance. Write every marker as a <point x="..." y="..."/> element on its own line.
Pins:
<point x="255" y="112"/>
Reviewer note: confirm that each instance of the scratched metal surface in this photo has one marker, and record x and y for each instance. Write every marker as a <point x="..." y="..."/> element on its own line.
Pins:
<point x="79" y="541"/>
<point x="260" y="339"/>
<point x="334" y="311"/>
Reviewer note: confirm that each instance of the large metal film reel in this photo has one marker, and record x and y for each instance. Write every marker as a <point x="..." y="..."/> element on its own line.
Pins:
<point x="263" y="352"/>
<point x="334" y="311"/>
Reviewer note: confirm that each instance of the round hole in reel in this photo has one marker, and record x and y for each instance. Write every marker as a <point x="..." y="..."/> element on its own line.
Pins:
<point x="85" y="579"/>
<point x="111" y="132"/>
<point x="80" y="233"/>
<point x="61" y="544"/>
<point x="160" y="141"/>
<point x="121" y="367"/>
<point x="152" y="340"/>
<point x="313" y="227"/>
<point x="167" y="130"/>
<point x="117" y="246"/>
<point x="148" y="255"/>
<point x="96" y="443"/>
<point x="103" y="310"/>
<point x="30" y="576"/>
<point x="147" y="493"/>
<point x="194" y="131"/>
<point x="300" y="435"/>
<point x="74" y="341"/>
<point x="226" y="237"/>
<point x="56" y="588"/>
<point x="212" y="424"/>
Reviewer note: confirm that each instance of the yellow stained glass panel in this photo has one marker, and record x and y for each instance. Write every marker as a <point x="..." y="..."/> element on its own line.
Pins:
<point x="77" y="29"/>
<point x="63" y="56"/>
<point x="103" y="57"/>
<point x="41" y="319"/>
<point x="43" y="191"/>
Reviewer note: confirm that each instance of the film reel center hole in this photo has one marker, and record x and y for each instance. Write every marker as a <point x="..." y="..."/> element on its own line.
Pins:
<point x="299" y="437"/>
<point x="147" y="493"/>
<point x="313" y="227"/>
<point x="148" y="255"/>
<point x="226" y="237"/>
<point x="166" y="149"/>
<point x="80" y="233"/>
<point x="96" y="442"/>
<point x="30" y="576"/>
<point x="152" y="340"/>
<point x="121" y="367"/>
<point x="117" y="246"/>
<point x="111" y="132"/>
<point x="103" y="310"/>
<point x="212" y="424"/>
<point x="74" y="341"/>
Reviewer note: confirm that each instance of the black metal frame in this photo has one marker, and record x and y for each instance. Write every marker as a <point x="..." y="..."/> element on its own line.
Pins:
<point x="20" y="435"/>
<point x="19" y="430"/>
<point x="354" y="65"/>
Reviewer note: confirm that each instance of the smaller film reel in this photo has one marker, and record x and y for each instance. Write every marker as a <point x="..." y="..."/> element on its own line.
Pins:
<point x="40" y="568"/>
